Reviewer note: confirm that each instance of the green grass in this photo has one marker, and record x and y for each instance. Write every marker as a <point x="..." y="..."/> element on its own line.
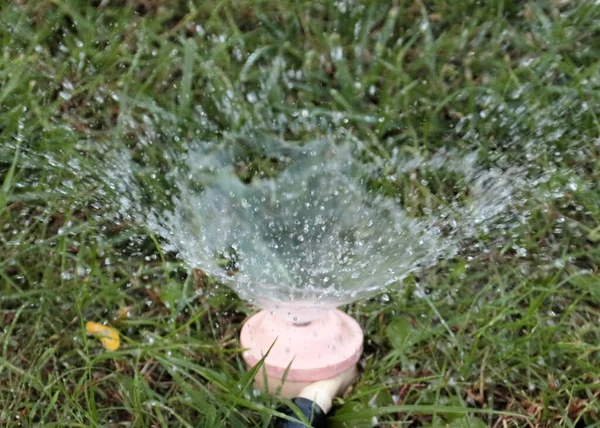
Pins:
<point x="502" y="338"/>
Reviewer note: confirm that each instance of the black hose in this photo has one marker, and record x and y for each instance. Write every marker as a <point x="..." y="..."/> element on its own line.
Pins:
<point x="311" y="411"/>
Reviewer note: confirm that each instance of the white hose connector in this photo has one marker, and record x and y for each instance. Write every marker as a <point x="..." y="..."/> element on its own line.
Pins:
<point x="324" y="391"/>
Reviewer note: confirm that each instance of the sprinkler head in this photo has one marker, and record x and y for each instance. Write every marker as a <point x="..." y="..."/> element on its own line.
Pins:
<point x="322" y="349"/>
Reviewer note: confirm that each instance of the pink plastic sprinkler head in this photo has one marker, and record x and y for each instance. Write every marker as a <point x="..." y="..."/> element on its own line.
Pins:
<point x="302" y="354"/>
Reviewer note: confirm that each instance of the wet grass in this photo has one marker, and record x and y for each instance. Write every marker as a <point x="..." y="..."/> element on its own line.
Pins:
<point x="503" y="337"/>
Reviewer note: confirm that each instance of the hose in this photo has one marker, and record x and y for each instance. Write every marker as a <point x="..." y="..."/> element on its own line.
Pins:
<point x="311" y="411"/>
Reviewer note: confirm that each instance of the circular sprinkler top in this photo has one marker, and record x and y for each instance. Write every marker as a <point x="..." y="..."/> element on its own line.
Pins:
<point x="302" y="229"/>
<point x="321" y="349"/>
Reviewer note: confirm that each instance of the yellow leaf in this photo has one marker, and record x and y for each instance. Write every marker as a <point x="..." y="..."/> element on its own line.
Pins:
<point x="107" y="335"/>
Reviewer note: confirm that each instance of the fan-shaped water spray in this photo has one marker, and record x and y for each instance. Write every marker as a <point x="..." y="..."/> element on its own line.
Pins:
<point x="312" y="230"/>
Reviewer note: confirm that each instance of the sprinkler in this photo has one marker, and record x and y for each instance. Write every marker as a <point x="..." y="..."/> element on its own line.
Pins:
<point x="309" y="361"/>
<point x="311" y="231"/>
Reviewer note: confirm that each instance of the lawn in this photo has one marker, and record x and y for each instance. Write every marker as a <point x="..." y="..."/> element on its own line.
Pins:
<point x="503" y="337"/>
